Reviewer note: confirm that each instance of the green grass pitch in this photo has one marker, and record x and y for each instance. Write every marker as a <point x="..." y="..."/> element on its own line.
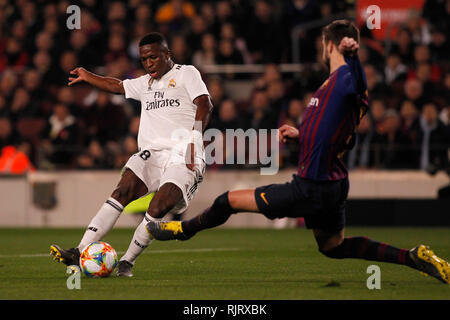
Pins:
<point x="220" y="264"/>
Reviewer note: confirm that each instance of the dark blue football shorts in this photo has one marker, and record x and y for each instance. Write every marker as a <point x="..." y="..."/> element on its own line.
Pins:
<point x="321" y="203"/>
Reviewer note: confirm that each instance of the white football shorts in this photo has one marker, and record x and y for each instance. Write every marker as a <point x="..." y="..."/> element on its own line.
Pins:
<point x="157" y="167"/>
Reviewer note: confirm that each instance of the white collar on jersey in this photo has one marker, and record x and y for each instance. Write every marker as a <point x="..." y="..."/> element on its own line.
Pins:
<point x="151" y="80"/>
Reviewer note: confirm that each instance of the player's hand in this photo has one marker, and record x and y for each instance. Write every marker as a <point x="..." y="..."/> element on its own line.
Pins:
<point x="348" y="46"/>
<point x="81" y="74"/>
<point x="287" y="131"/>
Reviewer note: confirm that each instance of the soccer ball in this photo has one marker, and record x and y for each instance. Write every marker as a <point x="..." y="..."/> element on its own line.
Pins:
<point x="98" y="259"/>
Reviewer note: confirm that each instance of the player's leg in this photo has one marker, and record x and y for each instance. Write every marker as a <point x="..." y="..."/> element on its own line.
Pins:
<point x="129" y="188"/>
<point x="223" y="207"/>
<point x="335" y="245"/>
<point x="164" y="201"/>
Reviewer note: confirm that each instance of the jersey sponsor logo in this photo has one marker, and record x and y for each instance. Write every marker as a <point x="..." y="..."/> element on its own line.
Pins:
<point x="172" y="83"/>
<point x="263" y="196"/>
<point x="314" y="102"/>
<point x="161" y="102"/>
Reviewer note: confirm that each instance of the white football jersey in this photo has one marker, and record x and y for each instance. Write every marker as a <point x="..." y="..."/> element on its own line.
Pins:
<point x="166" y="104"/>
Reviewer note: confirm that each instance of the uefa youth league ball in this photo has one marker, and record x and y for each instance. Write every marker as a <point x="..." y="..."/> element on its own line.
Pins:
<point x="98" y="259"/>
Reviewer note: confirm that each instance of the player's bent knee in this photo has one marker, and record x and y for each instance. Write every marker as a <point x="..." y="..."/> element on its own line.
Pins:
<point x="222" y="203"/>
<point x="158" y="208"/>
<point x="123" y="194"/>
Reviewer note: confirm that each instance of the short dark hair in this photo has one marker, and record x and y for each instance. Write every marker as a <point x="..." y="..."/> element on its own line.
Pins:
<point x="153" y="37"/>
<point x="339" y="29"/>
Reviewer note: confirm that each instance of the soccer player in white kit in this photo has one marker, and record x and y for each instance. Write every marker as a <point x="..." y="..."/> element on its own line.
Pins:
<point x="175" y="109"/>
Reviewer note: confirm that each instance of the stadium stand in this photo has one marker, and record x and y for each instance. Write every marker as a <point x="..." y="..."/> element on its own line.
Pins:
<point x="245" y="51"/>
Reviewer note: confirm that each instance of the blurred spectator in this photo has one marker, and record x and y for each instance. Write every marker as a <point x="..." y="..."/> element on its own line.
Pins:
<point x="395" y="146"/>
<point x="363" y="153"/>
<point x="4" y="110"/>
<point x="66" y="97"/>
<point x="375" y="83"/>
<point x="116" y="11"/>
<point x="195" y="35"/>
<point x="271" y="74"/>
<point x="437" y="13"/>
<point x="228" y="54"/>
<point x="421" y="56"/>
<point x="8" y="83"/>
<point x="12" y="54"/>
<point x="410" y="120"/>
<point x="216" y="91"/>
<point x="276" y="92"/>
<point x="36" y="55"/>
<point x="42" y="62"/>
<point x="104" y="120"/>
<point x="292" y="117"/>
<point x="86" y="53"/>
<point x="175" y="14"/>
<point x="261" y="116"/>
<point x="228" y="117"/>
<point x="301" y="11"/>
<point x="59" y="74"/>
<point x="377" y="111"/>
<point x="418" y="28"/>
<point x="432" y="140"/>
<point x="223" y="15"/>
<point x="60" y="137"/>
<point x="116" y="48"/>
<point x="207" y="11"/>
<point x="129" y="147"/>
<point x="206" y="55"/>
<point x="264" y="34"/>
<point x="8" y="134"/>
<point x="394" y="69"/>
<point x="404" y="46"/>
<point x="444" y="116"/>
<point x="423" y="74"/>
<point x="414" y="92"/>
<point x="227" y="32"/>
<point x="14" y="160"/>
<point x="143" y="14"/>
<point x="180" y="50"/>
<point x="439" y="46"/>
<point x="95" y="157"/>
<point x="22" y="106"/>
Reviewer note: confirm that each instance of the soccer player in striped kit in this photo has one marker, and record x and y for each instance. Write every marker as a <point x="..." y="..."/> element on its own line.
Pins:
<point x="319" y="190"/>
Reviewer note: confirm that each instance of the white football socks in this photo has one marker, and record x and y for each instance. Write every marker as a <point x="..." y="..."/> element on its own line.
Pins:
<point x="102" y="222"/>
<point x="141" y="240"/>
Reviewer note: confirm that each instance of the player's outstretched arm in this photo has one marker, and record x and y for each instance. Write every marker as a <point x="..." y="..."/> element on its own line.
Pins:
<point x="286" y="131"/>
<point x="108" y="84"/>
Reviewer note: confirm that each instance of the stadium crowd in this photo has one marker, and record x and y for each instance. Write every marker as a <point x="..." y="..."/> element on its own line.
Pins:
<point x="57" y="126"/>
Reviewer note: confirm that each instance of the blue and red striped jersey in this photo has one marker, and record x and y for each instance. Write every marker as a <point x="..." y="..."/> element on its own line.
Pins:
<point x="330" y="122"/>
